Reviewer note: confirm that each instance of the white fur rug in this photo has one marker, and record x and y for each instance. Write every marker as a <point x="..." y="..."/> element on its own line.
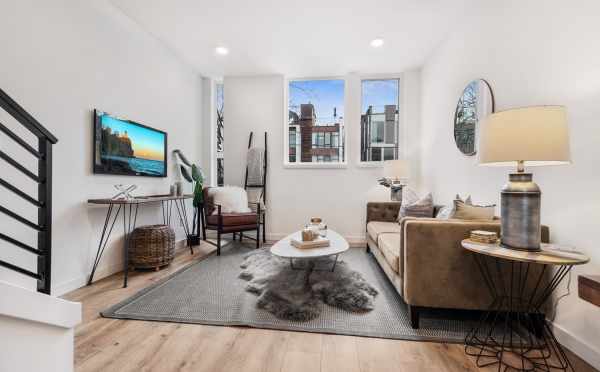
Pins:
<point x="296" y="294"/>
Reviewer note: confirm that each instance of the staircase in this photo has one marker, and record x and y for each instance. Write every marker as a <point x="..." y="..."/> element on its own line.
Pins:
<point x="37" y="330"/>
<point x="43" y="201"/>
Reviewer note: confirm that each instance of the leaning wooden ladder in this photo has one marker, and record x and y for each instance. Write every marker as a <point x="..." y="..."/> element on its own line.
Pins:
<point x="262" y="186"/>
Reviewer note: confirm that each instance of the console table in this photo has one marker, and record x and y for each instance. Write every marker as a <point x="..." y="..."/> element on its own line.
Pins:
<point x="514" y="334"/>
<point x="129" y="210"/>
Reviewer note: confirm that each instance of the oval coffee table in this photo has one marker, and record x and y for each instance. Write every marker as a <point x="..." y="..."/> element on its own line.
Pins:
<point x="311" y="256"/>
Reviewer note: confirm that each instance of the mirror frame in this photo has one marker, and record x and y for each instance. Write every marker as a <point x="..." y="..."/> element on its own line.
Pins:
<point x="478" y="119"/>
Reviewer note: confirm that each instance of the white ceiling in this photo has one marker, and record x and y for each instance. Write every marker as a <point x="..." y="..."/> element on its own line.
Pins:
<point x="299" y="38"/>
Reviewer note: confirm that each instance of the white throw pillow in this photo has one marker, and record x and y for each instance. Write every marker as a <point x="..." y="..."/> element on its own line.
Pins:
<point x="232" y="199"/>
<point x="447" y="212"/>
<point x="412" y="206"/>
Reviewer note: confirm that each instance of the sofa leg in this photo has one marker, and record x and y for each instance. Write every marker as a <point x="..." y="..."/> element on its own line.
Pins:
<point x="368" y="249"/>
<point x="413" y="314"/>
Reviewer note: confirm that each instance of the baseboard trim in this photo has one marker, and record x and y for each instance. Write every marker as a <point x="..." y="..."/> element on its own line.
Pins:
<point x="101" y="272"/>
<point x="582" y="349"/>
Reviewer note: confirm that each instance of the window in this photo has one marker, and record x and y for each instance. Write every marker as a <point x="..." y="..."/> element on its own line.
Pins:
<point x="293" y="138"/>
<point x="379" y="120"/>
<point x="315" y="124"/>
<point x="220" y="135"/>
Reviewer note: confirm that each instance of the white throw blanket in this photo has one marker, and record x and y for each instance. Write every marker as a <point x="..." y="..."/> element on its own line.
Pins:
<point x="232" y="199"/>
<point x="255" y="160"/>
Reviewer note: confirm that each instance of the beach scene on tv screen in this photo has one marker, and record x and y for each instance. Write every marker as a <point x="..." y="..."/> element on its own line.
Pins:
<point x="126" y="148"/>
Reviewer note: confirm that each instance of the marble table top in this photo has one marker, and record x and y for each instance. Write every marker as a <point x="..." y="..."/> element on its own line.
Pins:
<point x="285" y="249"/>
<point x="550" y="254"/>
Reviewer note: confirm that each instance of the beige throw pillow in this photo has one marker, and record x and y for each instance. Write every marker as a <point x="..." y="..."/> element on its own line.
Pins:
<point x="464" y="211"/>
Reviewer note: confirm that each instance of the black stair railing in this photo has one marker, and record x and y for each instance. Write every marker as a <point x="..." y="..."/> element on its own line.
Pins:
<point x="43" y="201"/>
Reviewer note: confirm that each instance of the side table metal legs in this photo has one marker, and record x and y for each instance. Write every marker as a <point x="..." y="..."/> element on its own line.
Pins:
<point x="104" y="238"/>
<point x="129" y="212"/>
<point x="514" y="334"/>
<point x="129" y="221"/>
<point x="182" y="213"/>
<point x="167" y="209"/>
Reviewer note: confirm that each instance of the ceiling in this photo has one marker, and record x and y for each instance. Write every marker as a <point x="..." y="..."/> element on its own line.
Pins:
<point x="307" y="38"/>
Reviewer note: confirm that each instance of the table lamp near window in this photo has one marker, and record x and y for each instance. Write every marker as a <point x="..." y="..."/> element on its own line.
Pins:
<point x="530" y="136"/>
<point x="395" y="173"/>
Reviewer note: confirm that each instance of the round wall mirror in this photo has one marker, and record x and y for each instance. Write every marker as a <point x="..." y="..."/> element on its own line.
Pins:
<point x="475" y="103"/>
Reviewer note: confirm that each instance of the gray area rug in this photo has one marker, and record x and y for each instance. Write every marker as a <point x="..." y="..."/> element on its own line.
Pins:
<point x="210" y="292"/>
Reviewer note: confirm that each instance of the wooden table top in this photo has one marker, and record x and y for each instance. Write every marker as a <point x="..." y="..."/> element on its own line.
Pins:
<point x="140" y="199"/>
<point x="551" y="254"/>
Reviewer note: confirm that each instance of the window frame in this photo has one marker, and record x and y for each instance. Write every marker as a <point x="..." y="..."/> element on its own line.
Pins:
<point x="402" y="129"/>
<point x="286" y="155"/>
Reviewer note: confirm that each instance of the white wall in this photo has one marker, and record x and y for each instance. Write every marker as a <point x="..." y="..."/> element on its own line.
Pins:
<point x="37" y="330"/>
<point x="61" y="59"/>
<point x="532" y="53"/>
<point x="31" y="346"/>
<point x="294" y="195"/>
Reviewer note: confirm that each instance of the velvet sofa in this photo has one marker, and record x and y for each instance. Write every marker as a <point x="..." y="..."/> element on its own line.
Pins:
<point x="424" y="259"/>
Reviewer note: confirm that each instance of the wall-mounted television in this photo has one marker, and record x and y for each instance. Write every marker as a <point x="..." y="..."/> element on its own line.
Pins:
<point x="125" y="147"/>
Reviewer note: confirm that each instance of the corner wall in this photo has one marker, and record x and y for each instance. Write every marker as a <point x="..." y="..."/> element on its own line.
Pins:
<point x="532" y="53"/>
<point x="60" y="60"/>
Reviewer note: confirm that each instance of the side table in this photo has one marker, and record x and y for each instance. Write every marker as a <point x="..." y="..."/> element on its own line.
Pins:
<point x="514" y="334"/>
<point x="130" y="208"/>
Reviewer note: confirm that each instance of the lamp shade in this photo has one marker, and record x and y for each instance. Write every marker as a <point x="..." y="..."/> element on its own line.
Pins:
<point x="395" y="169"/>
<point x="536" y="135"/>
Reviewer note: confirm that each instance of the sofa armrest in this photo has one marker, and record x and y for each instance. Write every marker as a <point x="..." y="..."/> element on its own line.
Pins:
<point x="382" y="211"/>
<point x="437" y="270"/>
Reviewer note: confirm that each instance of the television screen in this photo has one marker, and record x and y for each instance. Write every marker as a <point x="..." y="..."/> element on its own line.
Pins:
<point x="125" y="147"/>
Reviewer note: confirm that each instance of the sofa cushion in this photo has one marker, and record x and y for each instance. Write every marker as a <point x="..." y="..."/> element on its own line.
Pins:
<point x="233" y="219"/>
<point x="374" y="228"/>
<point x="389" y="245"/>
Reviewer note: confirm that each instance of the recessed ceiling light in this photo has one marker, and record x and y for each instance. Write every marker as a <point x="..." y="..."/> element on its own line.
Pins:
<point x="376" y="43"/>
<point x="221" y="50"/>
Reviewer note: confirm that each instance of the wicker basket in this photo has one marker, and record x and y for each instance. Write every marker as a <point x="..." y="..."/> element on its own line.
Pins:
<point x="151" y="246"/>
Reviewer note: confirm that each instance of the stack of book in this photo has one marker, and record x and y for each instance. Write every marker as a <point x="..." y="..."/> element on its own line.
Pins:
<point x="485" y="237"/>
<point x="319" y="242"/>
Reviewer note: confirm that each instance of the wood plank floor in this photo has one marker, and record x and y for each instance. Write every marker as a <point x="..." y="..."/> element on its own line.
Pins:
<point x="128" y="345"/>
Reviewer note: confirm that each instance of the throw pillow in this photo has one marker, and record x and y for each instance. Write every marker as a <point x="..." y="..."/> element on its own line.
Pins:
<point x="232" y="199"/>
<point x="409" y="196"/>
<point x="447" y="212"/>
<point x="416" y="208"/>
<point x="467" y="200"/>
<point x="465" y="211"/>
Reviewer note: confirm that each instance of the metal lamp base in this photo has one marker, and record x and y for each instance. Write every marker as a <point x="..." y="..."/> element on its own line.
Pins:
<point x="396" y="192"/>
<point x="520" y="212"/>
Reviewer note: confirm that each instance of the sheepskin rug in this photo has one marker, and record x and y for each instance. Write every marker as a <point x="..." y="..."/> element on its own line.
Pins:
<point x="298" y="294"/>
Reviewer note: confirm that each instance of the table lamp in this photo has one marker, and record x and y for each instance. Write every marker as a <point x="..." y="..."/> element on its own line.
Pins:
<point x="529" y="136"/>
<point x="396" y="174"/>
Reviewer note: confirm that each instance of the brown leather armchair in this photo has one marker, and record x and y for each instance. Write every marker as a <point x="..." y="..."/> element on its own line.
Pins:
<point x="224" y="223"/>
